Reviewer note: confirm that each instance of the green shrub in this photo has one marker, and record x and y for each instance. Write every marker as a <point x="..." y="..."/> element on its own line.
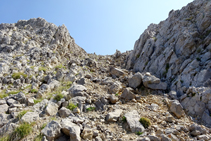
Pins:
<point x="22" y="131"/>
<point x="58" y="97"/>
<point x="71" y="106"/>
<point x="37" y="101"/>
<point x="21" y="114"/>
<point x="90" y="109"/>
<point x="18" y="75"/>
<point x="33" y="90"/>
<point x="145" y="122"/>
<point x="139" y="133"/>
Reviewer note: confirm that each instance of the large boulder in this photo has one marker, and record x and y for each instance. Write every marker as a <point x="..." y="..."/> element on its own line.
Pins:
<point x="76" y="90"/>
<point x="30" y="117"/>
<point x="176" y="108"/>
<point x="135" y="80"/>
<point x="113" y="116"/>
<point x="128" y="94"/>
<point x="52" y="130"/>
<point x="51" y="109"/>
<point x="133" y="118"/>
<point x="117" y="72"/>
<point x="153" y="82"/>
<point x="64" y="112"/>
<point x="71" y="129"/>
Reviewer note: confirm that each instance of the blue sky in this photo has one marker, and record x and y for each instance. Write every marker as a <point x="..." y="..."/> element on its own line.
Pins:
<point x="96" y="25"/>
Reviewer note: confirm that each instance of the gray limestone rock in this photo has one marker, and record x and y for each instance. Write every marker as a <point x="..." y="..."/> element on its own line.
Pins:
<point x="135" y="80"/>
<point x="3" y="108"/>
<point x="71" y="129"/>
<point x="87" y="133"/>
<point x="117" y="72"/>
<point x="176" y="108"/>
<point x="113" y="116"/>
<point x="30" y="117"/>
<point x="76" y="90"/>
<point x="133" y="118"/>
<point x="51" y="109"/>
<point x="52" y="130"/>
<point x="127" y="94"/>
<point x="64" y="112"/>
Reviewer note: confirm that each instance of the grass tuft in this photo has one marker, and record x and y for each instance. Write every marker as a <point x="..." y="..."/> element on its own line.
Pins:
<point x="91" y="109"/>
<point x="33" y="90"/>
<point x="145" y="122"/>
<point x="58" y="97"/>
<point x="21" y="114"/>
<point x="18" y="75"/>
<point x="21" y="131"/>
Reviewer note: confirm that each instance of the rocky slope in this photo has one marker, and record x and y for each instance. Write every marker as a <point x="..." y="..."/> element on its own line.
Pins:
<point x="178" y="50"/>
<point x="51" y="89"/>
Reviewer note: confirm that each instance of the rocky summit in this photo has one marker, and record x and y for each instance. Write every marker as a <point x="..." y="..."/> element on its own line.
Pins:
<point x="52" y="90"/>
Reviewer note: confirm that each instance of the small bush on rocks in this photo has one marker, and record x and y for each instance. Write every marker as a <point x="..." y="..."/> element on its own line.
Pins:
<point x="145" y="122"/>
<point x="71" y="106"/>
<point x="58" y="97"/>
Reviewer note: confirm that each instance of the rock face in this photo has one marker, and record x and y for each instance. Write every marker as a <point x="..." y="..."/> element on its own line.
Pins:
<point x="177" y="51"/>
<point x="174" y="52"/>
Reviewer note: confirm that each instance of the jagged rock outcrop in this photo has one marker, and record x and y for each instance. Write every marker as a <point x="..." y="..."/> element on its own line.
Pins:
<point x="177" y="50"/>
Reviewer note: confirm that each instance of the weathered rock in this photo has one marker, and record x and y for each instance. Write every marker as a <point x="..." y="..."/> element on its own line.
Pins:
<point x="77" y="90"/>
<point x="30" y="117"/>
<point x="30" y="102"/>
<point x="4" y="108"/>
<point x="133" y="118"/>
<point x="127" y="94"/>
<point x="71" y="129"/>
<point x="153" y="138"/>
<point x="150" y="79"/>
<point x="115" y="87"/>
<point x="4" y="118"/>
<point x="117" y="72"/>
<point x="52" y="130"/>
<point x="135" y="80"/>
<point x="51" y="109"/>
<point x="113" y="98"/>
<point x="113" y="116"/>
<point x="165" y="138"/>
<point x="87" y="133"/>
<point x="2" y="101"/>
<point x="64" y="112"/>
<point x="176" y="108"/>
<point x="206" y="117"/>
